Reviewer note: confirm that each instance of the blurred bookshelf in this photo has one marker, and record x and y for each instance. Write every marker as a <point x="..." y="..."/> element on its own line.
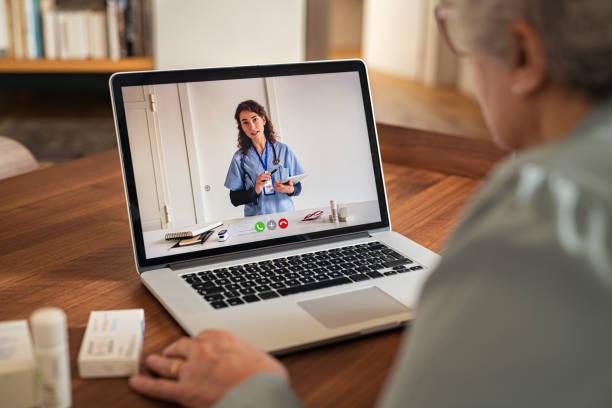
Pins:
<point x="75" y="36"/>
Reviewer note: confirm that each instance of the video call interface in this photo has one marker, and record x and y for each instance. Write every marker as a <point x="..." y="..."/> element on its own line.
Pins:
<point x="228" y="162"/>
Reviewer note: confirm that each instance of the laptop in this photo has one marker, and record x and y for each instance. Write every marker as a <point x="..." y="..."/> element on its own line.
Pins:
<point x="295" y="265"/>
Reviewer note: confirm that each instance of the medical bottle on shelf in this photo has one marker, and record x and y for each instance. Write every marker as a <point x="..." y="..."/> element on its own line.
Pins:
<point x="50" y="337"/>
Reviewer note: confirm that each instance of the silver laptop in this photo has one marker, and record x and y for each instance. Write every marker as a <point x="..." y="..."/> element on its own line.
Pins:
<point x="257" y="202"/>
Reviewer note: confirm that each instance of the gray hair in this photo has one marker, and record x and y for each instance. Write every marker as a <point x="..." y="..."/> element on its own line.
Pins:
<point x="576" y="34"/>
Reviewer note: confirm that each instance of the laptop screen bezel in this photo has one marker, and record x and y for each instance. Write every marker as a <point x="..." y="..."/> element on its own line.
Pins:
<point x="123" y="79"/>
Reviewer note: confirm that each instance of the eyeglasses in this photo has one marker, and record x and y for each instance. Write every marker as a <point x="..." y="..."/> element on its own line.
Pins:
<point x="448" y="24"/>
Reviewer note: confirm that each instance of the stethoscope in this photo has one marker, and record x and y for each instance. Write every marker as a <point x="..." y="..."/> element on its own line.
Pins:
<point x="275" y="162"/>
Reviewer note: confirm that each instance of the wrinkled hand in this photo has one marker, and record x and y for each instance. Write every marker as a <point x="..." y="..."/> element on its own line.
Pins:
<point x="284" y="188"/>
<point x="213" y="362"/>
<point x="261" y="181"/>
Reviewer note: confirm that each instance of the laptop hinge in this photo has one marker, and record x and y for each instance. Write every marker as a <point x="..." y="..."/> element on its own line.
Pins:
<point x="264" y="251"/>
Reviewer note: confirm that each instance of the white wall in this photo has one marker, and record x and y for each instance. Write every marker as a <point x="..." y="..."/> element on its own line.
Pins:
<point x="322" y="120"/>
<point x="395" y="36"/>
<point x="207" y="33"/>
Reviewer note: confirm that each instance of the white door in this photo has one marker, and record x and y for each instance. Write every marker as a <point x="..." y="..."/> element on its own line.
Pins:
<point x="181" y="204"/>
<point x="211" y="132"/>
<point x="145" y="152"/>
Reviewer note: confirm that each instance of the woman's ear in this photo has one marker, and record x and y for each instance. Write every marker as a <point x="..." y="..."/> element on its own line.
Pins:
<point x="528" y="64"/>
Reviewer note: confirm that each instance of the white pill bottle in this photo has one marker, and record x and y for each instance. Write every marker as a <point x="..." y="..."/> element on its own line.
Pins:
<point x="50" y="337"/>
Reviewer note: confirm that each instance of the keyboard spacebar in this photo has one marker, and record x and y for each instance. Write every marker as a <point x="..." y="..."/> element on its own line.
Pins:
<point x="314" y="286"/>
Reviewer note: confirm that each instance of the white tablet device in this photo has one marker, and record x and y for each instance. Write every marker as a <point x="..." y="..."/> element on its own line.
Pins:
<point x="296" y="179"/>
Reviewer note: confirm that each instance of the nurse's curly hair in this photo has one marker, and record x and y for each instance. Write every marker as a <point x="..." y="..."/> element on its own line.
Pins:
<point x="244" y="142"/>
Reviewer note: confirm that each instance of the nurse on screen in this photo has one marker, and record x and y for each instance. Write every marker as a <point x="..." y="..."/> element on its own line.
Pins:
<point x="259" y="164"/>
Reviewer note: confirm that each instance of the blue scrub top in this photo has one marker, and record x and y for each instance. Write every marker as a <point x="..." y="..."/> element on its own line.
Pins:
<point x="288" y="166"/>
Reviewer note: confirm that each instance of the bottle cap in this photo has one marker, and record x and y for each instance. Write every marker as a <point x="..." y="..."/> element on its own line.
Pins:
<point x="48" y="327"/>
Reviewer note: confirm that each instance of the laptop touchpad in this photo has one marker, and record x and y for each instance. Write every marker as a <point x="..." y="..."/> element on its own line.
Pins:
<point x="352" y="307"/>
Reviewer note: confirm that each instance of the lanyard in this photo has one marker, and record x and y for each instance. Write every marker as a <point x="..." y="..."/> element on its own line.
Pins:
<point x="263" y="164"/>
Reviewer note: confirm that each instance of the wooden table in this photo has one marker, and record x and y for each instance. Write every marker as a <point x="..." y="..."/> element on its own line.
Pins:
<point x="65" y="242"/>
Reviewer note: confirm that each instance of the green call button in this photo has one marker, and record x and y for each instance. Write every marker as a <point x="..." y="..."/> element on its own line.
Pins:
<point x="260" y="226"/>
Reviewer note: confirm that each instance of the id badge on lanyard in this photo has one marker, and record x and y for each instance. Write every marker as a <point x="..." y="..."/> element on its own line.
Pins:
<point x="268" y="189"/>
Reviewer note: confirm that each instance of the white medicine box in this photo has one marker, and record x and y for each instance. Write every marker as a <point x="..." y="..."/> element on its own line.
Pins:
<point x="17" y="365"/>
<point x="112" y="344"/>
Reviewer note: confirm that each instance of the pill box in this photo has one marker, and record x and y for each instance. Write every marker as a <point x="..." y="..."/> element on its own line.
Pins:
<point x="112" y="344"/>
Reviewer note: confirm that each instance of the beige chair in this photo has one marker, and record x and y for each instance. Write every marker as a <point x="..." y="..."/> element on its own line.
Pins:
<point x="15" y="158"/>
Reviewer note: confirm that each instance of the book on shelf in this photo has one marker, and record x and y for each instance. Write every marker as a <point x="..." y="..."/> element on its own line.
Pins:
<point x="75" y="29"/>
<point x="5" y="35"/>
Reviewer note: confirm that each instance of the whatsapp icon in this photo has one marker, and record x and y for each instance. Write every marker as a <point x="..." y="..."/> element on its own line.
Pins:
<point x="260" y="226"/>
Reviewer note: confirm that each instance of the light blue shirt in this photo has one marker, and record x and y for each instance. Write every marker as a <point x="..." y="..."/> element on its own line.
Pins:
<point x="244" y="169"/>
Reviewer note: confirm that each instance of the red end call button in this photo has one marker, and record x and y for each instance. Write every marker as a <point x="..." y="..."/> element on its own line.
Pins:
<point x="283" y="223"/>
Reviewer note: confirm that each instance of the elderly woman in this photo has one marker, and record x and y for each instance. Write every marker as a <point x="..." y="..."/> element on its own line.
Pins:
<point x="518" y="312"/>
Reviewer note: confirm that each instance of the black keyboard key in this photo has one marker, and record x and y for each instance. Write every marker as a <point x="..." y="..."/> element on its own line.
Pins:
<point x="306" y="279"/>
<point x="390" y="273"/>
<point x="250" y="298"/>
<point x="247" y="291"/>
<point x="232" y="286"/>
<point x="277" y="278"/>
<point x="213" y="290"/>
<point x="262" y="281"/>
<point x="334" y="275"/>
<point x="401" y="270"/>
<point x="212" y="298"/>
<point x="238" y="279"/>
<point x="277" y="285"/>
<point x="416" y="268"/>
<point x="203" y="285"/>
<point x="189" y="275"/>
<point x="374" y="275"/>
<point x="248" y="284"/>
<point x="394" y="254"/>
<point x="292" y="282"/>
<point x="314" y="286"/>
<point x="262" y="288"/>
<point x="219" y="304"/>
<point x="223" y="281"/>
<point x="321" y="277"/>
<point x="231" y="293"/>
<point x="268" y="295"/>
<point x="396" y="262"/>
<point x="359" y="277"/>
<point x="235" y="301"/>
<point x="350" y="271"/>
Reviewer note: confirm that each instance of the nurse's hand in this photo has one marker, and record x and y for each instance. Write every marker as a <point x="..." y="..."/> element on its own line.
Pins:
<point x="261" y="181"/>
<point x="198" y="372"/>
<point x="284" y="188"/>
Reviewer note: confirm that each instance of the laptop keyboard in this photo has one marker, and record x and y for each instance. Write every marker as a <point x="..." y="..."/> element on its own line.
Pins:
<point x="270" y="279"/>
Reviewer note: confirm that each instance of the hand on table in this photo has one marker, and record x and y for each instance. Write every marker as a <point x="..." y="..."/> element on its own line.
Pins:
<point x="284" y="188"/>
<point x="199" y="372"/>
<point x="261" y="181"/>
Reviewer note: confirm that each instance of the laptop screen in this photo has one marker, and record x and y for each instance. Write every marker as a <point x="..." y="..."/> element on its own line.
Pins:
<point x="242" y="160"/>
